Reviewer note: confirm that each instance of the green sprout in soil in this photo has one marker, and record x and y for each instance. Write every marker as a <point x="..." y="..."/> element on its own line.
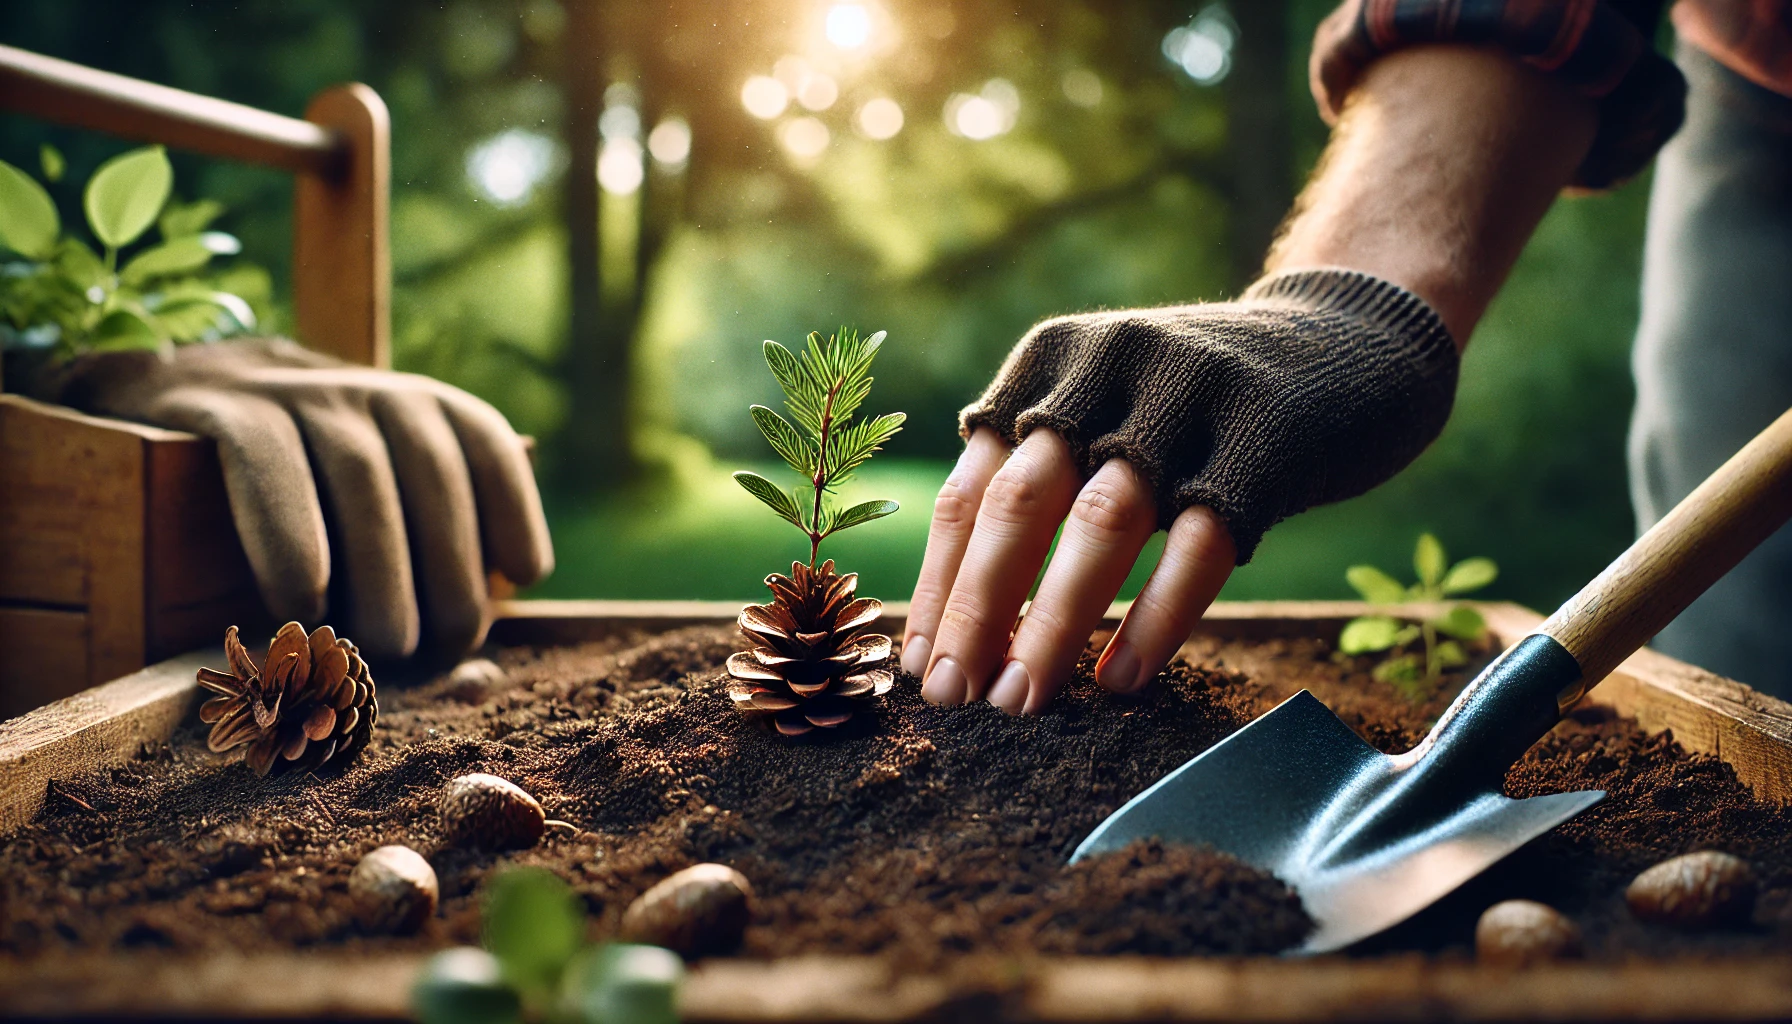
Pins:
<point x="1416" y="673"/>
<point x="823" y="388"/>
<point x="58" y="295"/>
<point x="537" y="967"/>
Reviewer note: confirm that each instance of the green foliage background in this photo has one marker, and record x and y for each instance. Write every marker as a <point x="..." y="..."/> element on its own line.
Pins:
<point x="953" y="247"/>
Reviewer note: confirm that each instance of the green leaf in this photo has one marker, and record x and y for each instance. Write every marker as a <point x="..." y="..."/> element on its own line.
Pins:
<point x="50" y="161"/>
<point x="464" y="986"/>
<point x="189" y="318"/>
<point x="780" y="500"/>
<point x="862" y="513"/>
<point x="1470" y="574"/>
<point x="533" y="923"/>
<point x="623" y="984"/>
<point x="1450" y="654"/>
<point x="854" y="445"/>
<point x="181" y="256"/>
<point x="181" y="220"/>
<point x="1407" y="668"/>
<point x="1368" y="634"/>
<point x="1377" y="587"/>
<point x="1461" y="622"/>
<point x="125" y="194"/>
<point x="790" y="445"/>
<point x="122" y="330"/>
<point x="28" y="221"/>
<point x="78" y="263"/>
<point x="1429" y="561"/>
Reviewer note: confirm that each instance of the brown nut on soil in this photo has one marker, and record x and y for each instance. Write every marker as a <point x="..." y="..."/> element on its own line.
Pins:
<point x="394" y="890"/>
<point x="1696" y="890"/>
<point x="486" y="811"/>
<point x="698" y="911"/>
<point x="1517" y="933"/>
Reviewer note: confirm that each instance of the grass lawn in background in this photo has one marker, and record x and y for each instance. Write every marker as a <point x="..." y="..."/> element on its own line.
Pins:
<point x="704" y="537"/>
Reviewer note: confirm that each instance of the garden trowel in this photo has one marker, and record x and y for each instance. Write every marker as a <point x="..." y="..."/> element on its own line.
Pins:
<point x="1368" y="839"/>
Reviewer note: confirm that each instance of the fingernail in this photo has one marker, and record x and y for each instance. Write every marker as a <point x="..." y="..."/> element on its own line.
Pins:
<point x="1120" y="672"/>
<point x="915" y="651"/>
<point x="945" y="684"/>
<point x="1010" y="691"/>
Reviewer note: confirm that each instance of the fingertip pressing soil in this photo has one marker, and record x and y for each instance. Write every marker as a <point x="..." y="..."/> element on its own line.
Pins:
<point x="917" y="832"/>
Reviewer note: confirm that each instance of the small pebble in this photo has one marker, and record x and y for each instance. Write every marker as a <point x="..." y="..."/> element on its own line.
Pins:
<point x="394" y="890"/>
<point x="1518" y="933"/>
<point x="1697" y="890"/>
<point x="696" y="912"/>
<point x="474" y="679"/>
<point x="486" y="811"/>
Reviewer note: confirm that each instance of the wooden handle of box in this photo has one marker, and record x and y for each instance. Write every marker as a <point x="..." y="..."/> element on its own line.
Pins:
<point x="1735" y="509"/>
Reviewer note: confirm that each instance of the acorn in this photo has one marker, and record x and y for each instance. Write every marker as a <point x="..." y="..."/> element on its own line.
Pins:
<point x="394" y="890"/>
<point x="492" y="813"/>
<point x="1695" y="890"/>
<point x="1518" y="933"/>
<point x="696" y="912"/>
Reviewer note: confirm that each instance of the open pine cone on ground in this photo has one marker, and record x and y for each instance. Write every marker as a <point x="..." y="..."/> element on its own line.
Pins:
<point x="808" y="663"/>
<point x="310" y="703"/>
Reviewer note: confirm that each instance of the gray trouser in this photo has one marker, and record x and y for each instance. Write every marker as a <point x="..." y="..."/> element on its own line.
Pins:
<point x="1713" y="357"/>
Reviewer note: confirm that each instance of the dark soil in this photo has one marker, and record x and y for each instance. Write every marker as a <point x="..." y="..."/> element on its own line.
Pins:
<point x="918" y="832"/>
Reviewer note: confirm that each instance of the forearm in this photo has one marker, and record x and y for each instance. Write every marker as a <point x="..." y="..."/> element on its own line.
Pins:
<point x="1443" y="163"/>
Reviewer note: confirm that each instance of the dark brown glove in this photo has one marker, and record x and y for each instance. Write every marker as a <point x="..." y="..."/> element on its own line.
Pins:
<point x="400" y="488"/>
<point x="1313" y="387"/>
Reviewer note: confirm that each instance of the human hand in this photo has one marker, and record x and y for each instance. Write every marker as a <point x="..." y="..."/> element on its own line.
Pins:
<point x="1214" y="422"/>
<point x="381" y="495"/>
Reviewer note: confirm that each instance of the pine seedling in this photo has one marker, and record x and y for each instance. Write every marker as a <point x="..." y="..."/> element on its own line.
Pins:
<point x="823" y="388"/>
<point x="1416" y="674"/>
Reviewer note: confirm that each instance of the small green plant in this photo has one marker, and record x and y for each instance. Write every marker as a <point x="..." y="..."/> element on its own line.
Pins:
<point x="537" y="966"/>
<point x="56" y="293"/>
<point x="823" y="388"/>
<point x="1416" y="673"/>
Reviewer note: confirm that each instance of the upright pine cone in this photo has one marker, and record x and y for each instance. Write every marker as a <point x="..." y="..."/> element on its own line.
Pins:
<point x="807" y="665"/>
<point x="311" y="702"/>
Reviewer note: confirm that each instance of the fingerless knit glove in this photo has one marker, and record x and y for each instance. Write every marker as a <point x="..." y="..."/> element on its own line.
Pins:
<point x="1313" y="387"/>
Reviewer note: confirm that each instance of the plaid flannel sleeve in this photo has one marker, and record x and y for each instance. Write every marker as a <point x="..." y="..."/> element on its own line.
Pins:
<point x="1602" y="47"/>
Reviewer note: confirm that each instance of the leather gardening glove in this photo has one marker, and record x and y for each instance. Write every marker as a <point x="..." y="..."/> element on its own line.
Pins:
<point x="1313" y="387"/>
<point x="1212" y="422"/>
<point x="396" y="488"/>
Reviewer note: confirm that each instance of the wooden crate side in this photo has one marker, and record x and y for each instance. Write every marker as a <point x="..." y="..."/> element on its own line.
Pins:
<point x="1707" y="713"/>
<point x="851" y="990"/>
<point x="45" y="657"/>
<point x="73" y="522"/>
<point x="199" y="580"/>
<point x="99" y="726"/>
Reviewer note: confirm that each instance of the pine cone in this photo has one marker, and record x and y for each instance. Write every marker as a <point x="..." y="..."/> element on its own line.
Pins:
<point x="807" y="663"/>
<point x="311" y="702"/>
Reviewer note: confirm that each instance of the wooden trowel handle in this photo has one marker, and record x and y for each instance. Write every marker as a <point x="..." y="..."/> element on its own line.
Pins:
<point x="1736" y="508"/>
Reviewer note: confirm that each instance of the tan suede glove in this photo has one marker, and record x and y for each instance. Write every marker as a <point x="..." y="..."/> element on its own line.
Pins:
<point x="370" y="499"/>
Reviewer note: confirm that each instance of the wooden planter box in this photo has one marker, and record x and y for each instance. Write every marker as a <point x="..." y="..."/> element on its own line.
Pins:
<point x="1752" y="732"/>
<point x="116" y="544"/>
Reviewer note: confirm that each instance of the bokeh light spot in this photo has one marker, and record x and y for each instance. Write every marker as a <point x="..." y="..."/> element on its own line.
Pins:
<point x="989" y="113"/>
<point x="1082" y="87"/>
<point x="848" y="26"/>
<point x="619" y="168"/>
<point x="1203" y="47"/>
<point x="819" y="92"/>
<point x="670" y="142"/>
<point x="764" y="97"/>
<point x="804" y="138"/>
<point x="880" y="118"/>
<point x="507" y="167"/>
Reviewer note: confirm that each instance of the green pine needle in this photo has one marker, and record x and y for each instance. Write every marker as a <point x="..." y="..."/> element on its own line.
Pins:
<point x="823" y="388"/>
